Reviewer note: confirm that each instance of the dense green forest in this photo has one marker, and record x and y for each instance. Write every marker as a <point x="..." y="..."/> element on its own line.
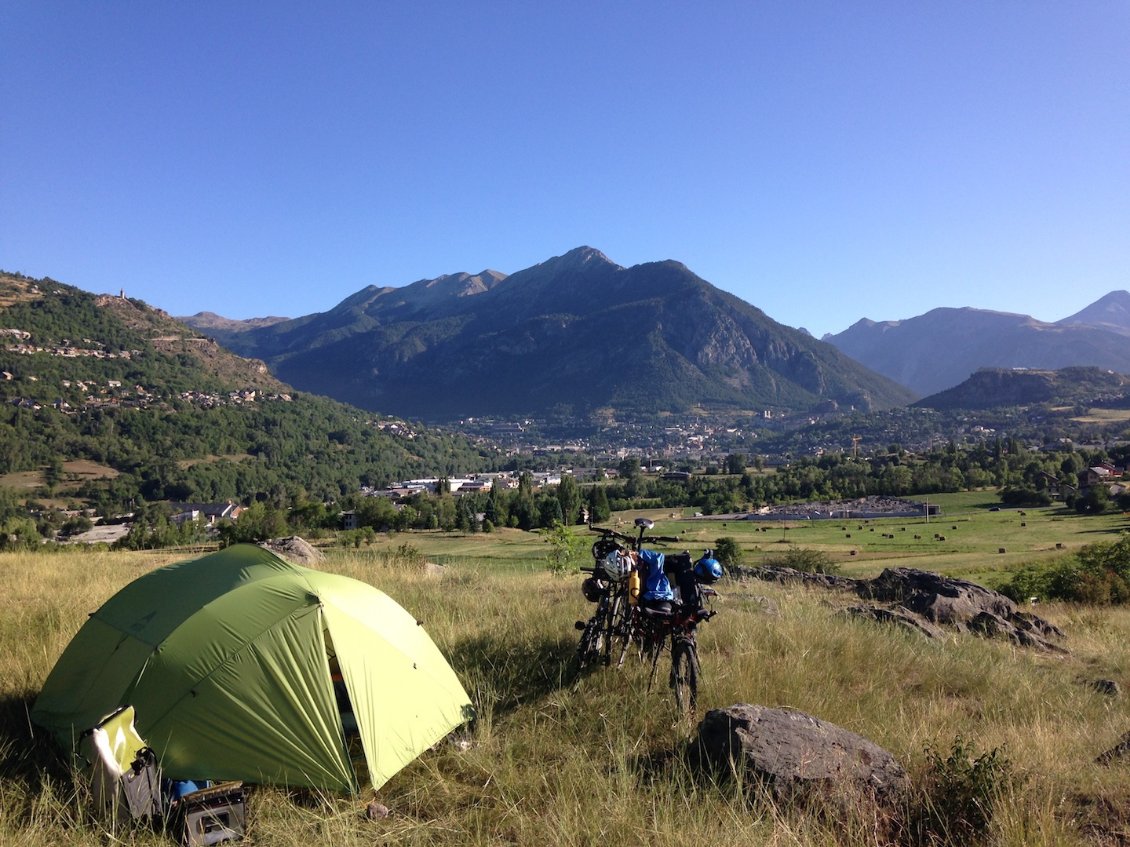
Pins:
<point x="307" y="445"/>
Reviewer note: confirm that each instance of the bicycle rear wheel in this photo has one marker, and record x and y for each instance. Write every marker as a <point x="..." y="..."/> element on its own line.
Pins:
<point x="684" y="675"/>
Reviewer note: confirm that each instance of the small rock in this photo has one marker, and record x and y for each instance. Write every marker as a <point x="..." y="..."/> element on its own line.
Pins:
<point x="1107" y="686"/>
<point x="377" y="811"/>
<point x="1118" y="751"/>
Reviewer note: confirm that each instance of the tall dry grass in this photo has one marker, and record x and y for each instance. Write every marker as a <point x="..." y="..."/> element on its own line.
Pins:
<point x="564" y="757"/>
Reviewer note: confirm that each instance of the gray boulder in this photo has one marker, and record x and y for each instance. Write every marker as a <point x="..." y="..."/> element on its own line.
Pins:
<point x="897" y="616"/>
<point x="961" y="605"/>
<point x="294" y="548"/>
<point x="795" y="755"/>
<point x="941" y="599"/>
<point x="923" y="601"/>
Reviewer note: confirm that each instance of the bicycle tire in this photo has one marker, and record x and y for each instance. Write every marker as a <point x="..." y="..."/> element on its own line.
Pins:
<point x="588" y="648"/>
<point x="612" y="614"/>
<point x="684" y="675"/>
<point x="593" y="635"/>
<point x="625" y="632"/>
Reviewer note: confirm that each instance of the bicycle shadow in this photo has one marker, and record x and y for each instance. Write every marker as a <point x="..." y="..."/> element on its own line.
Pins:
<point x="512" y="674"/>
<point x="29" y="756"/>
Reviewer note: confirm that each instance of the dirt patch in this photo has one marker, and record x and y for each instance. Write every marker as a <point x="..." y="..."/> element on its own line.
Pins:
<point x="85" y="470"/>
<point x="22" y="480"/>
<point x="107" y="534"/>
<point x="208" y="460"/>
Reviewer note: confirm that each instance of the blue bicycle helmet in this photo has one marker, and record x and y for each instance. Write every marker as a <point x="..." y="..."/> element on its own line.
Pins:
<point x="707" y="569"/>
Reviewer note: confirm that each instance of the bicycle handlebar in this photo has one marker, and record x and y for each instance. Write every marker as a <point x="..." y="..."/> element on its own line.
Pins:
<point x="611" y="533"/>
<point x="634" y="540"/>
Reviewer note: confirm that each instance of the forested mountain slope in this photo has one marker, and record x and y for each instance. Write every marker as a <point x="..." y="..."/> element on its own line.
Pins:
<point x="991" y="388"/>
<point x="174" y="416"/>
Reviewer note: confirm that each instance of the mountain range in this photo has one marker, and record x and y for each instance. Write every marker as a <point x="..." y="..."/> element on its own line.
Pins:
<point x="572" y="334"/>
<point x="940" y="349"/>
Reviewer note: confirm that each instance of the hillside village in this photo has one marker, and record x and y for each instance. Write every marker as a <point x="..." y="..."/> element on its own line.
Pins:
<point x="78" y="395"/>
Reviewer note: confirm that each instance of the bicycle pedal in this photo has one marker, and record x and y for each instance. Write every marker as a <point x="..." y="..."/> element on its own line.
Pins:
<point x="580" y="625"/>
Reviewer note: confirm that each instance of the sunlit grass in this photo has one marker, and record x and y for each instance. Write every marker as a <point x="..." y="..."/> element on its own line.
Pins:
<point x="560" y="756"/>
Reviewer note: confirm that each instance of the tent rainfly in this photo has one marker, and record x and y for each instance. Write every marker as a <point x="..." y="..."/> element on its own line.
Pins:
<point x="231" y="662"/>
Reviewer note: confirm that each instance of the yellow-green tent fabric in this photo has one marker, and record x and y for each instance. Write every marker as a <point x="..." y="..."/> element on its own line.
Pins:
<point x="226" y="660"/>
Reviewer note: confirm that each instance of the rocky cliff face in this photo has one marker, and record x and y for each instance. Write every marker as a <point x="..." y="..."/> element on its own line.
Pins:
<point x="576" y="330"/>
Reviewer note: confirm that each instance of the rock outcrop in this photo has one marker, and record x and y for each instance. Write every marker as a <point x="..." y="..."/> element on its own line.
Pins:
<point x="797" y="756"/>
<point x="786" y="576"/>
<point x="296" y="549"/>
<point x="897" y="616"/>
<point x="927" y="603"/>
<point x="961" y="605"/>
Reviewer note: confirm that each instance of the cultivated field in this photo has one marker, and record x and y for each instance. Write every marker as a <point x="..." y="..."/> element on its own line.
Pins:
<point x="559" y="756"/>
<point x="973" y="537"/>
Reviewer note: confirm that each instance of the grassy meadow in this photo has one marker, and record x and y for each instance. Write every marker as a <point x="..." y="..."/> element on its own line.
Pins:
<point x="564" y="757"/>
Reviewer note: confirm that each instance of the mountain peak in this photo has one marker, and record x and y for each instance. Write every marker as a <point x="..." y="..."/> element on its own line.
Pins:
<point x="580" y="257"/>
<point x="461" y="284"/>
<point x="1111" y="311"/>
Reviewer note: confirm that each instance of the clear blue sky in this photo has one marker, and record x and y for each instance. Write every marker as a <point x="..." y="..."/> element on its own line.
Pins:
<point x="824" y="161"/>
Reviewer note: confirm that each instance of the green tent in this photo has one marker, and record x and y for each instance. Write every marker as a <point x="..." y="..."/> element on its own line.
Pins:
<point x="232" y="662"/>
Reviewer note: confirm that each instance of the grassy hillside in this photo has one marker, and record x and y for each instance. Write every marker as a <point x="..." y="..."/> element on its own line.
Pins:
<point x="168" y="414"/>
<point x="564" y="757"/>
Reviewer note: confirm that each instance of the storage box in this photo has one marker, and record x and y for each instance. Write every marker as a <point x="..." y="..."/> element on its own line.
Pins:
<point x="212" y="815"/>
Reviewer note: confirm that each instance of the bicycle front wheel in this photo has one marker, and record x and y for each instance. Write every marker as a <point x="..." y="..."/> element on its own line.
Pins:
<point x="589" y="647"/>
<point x="593" y="637"/>
<point x="684" y="675"/>
<point x="608" y="628"/>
